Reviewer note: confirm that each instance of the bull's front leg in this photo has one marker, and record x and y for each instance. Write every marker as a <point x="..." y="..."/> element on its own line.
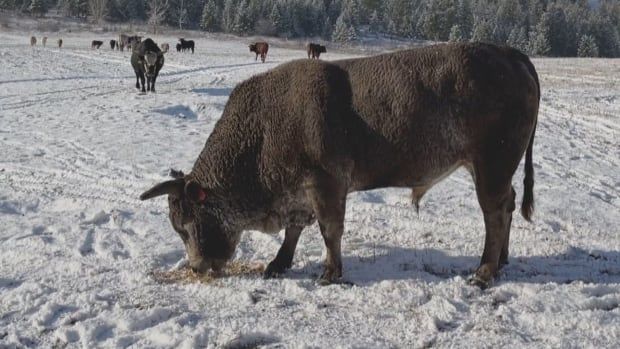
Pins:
<point x="284" y="258"/>
<point x="142" y="81"/>
<point x="153" y="83"/>
<point x="328" y="198"/>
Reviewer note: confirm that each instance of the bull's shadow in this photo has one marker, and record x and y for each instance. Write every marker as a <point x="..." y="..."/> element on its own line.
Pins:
<point x="432" y="265"/>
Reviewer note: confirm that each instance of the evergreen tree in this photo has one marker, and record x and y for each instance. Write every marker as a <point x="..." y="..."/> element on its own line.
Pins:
<point x="456" y="35"/>
<point x="276" y="18"/>
<point x="343" y="32"/>
<point x="540" y="44"/>
<point x="518" y="39"/>
<point x="209" y="16"/>
<point x="465" y="18"/>
<point x="242" y="19"/>
<point x="482" y="32"/>
<point x="38" y="8"/>
<point x="587" y="47"/>
<point x="375" y="22"/>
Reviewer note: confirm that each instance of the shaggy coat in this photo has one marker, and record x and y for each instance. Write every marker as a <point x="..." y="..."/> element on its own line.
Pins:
<point x="147" y="59"/>
<point x="261" y="49"/>
<point x="314" y="50"/>
<point x="292" y="142"/>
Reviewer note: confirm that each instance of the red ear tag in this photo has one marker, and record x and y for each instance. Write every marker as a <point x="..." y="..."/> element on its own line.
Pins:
<point x="202" y="195"/>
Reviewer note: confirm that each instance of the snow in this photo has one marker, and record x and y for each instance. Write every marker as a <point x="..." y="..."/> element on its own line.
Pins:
<point x="79" y="252"/>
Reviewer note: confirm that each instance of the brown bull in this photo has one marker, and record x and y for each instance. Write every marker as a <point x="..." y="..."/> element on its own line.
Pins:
<point x="260" y="48"/>
<point x="293" y="142"/>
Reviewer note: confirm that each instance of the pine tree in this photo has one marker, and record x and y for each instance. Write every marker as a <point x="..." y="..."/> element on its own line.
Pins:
<point x="242" y="19"/>
<point x="456" y="35"/>
<point x="38" y="8"/>
<point x="540" y="44"/>
<point x="375" y="22"/>
<point x="587" y="46"/>
<point x="343" y="32"/>
<point x="276" y="18"/>
<point x="208" y="21"/>
<point x="465" y="18"/>
<point x="482" y="32"/>
<point x="517" y="39"/>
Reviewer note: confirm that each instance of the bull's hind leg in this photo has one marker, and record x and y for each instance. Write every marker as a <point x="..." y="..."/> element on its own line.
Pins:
<point x="496" y="198"/>
<point x="328" y="199"/>
<point x="284" y="258"/>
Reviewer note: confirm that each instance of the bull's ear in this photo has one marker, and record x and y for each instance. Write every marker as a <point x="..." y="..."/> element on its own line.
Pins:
<point x="173" y="187"/>
<point x="160" y="53"/>
<point x="194" y="192"/>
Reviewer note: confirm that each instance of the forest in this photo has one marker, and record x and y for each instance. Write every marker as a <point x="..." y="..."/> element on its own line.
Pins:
<point x="558" y="28"/>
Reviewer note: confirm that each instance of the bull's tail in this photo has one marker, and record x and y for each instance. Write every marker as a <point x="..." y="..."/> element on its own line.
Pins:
<point x="527" y="205"/>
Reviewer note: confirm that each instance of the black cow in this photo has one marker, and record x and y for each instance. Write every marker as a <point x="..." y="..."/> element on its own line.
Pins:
<point x="187" y="45"/>
<point x="315" y="50"/>
<point x="147" y="59"/>
<point x="96" y="44"/>
<point x="112" y="44"/>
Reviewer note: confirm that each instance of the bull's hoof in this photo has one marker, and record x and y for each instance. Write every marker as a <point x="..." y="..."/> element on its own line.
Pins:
<point x="330" y="277"/>
<point x="274" y="270"/>
<point x="476" y="280"/>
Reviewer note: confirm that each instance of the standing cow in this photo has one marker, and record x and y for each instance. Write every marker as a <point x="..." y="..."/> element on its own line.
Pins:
<point x="147" y="59"/>
<point x="314" y="50"/>
<point x="112" y="44"/>
<point x="59" y="43"/>
<point x="261" y="49"/>
<point x="96" y="44"/>
<point x="293" y="142"/>
<point x="44" y="41"/>
<point x="164" y="47"/>
<point x="33" y="41"/>
<point x="187" y="45"/>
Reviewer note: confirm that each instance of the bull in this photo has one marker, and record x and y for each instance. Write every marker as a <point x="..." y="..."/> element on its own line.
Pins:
<point x="293" y="142"/>
<point x="147" y="59"/>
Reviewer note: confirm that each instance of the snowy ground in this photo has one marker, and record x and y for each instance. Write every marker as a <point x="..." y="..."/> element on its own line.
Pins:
<point x="78" y="250"/>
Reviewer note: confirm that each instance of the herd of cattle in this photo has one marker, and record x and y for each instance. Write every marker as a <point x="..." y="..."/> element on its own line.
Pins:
<point x="147" y="57"/>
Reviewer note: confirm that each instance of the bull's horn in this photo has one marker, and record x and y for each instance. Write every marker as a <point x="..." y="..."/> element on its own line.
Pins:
<point x="173" y="187"/>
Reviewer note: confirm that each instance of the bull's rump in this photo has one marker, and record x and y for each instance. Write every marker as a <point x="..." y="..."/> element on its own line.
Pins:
<point x="428" y="110"/>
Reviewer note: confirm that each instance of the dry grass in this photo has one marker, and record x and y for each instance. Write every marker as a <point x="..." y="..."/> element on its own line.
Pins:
<point x="187" y="276"/>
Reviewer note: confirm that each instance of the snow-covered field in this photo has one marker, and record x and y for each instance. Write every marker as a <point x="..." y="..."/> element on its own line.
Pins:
<point x="79" y="253"/>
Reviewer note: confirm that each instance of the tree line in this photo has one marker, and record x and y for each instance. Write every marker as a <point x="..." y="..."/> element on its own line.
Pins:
<point x="562" y="28"/>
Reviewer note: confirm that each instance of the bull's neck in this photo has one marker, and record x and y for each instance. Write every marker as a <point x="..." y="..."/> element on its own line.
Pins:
<point x="228" y="169"/>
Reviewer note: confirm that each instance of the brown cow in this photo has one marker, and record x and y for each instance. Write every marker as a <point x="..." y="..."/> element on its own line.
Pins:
<point x="294" y="141"/>
<point x="44" y="41"/>
<point x="33" y="41"/>
<point x="315" y="50"/>
<point x="164" y="47"/>
<point x="59" y="43"/>
<point x="260" y="48"/>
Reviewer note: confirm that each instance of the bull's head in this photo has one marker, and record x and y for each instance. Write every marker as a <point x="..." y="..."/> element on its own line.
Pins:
<point x="150" y="62"/>
<point x="194" y="216"/>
